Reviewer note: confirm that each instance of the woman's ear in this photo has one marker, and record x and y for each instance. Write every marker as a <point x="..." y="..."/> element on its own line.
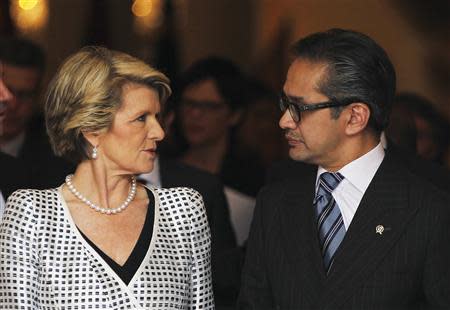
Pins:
<point x="92" y="137"/>
<point x="358" y="118"/>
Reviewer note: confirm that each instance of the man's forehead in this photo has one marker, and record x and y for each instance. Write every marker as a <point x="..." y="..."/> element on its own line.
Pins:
<point x="306" y="68"/>
<point x="304" y="73"/>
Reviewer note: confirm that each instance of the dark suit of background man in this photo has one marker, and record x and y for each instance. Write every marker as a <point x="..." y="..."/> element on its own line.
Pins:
<point x="387" y="244"/>
<point x="24" y="136"/>
<point x="12" y="174"/>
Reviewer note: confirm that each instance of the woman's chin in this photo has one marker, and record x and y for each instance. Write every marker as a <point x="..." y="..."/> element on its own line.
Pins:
<point x="146" y="169"/>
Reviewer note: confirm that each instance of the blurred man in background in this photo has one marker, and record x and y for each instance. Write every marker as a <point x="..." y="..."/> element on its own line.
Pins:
<point x="24" y="135"/>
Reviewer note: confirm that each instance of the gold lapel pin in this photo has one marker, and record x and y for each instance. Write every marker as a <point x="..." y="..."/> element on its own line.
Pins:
<point x="379" y="229"/>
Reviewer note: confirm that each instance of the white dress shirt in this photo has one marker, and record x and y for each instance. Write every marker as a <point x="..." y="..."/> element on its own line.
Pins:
<point x="357" y="176"/>
<point x="2" y="205"/>
<point x="241" y="207"/>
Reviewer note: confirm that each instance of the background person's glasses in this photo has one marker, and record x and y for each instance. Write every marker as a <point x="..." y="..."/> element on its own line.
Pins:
<point x="188" y="104"/>
<point x="296" y="109"/>
<point x="22" y="95"/>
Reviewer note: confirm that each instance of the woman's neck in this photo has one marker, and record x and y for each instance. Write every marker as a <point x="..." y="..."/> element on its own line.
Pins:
<point x="100" y="186"/>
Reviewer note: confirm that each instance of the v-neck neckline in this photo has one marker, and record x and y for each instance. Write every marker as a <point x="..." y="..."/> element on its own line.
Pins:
<point x="94" y="253"/>
<point x="138" y="252"/>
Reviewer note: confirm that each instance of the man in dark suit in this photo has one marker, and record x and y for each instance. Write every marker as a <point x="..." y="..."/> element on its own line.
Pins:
<point x="225" y="258"/>
<point x="13" y="175"/>
<point x="360" y="231"/>
<point x="24" y="136"/>
<point x="10" y="175"/>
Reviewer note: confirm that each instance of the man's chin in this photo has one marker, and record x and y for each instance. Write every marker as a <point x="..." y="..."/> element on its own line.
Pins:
<point x="297" y="155"/>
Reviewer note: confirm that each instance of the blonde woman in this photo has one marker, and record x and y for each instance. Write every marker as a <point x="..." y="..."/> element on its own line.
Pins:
<point x="101" y="240"/>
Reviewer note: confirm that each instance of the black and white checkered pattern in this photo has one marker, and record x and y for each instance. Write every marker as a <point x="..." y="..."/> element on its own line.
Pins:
<point x="46" y="264"/>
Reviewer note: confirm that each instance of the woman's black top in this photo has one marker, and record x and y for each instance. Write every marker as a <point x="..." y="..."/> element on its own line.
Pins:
<point x="127" y="271"/>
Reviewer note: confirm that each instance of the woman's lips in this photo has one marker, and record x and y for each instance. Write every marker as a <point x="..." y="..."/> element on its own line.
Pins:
<point x="151" y="152"/>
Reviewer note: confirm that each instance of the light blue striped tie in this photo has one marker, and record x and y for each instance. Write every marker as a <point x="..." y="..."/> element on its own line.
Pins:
<point x="329" y="218"/>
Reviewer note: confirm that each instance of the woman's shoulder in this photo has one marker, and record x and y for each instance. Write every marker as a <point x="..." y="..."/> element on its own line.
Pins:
<point x="180" y="192"/>
<point x="32" y="198"/>
<point x="29" y="193"/>
<point x="179" y="197"/>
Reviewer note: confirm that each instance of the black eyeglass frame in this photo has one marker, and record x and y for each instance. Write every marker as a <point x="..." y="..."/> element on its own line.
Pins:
<point x="295" y="109"/>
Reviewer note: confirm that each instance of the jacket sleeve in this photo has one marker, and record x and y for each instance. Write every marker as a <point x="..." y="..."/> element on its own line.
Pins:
<point x="255" y="293"/>
<point x="201" y="284"/>
<point x="18" y="253"/>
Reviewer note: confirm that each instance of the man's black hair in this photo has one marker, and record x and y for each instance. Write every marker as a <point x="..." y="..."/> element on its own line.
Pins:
<point x="358" y="70"/>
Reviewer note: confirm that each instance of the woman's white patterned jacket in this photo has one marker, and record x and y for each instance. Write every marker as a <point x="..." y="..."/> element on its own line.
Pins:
<point x="45" y="263"/>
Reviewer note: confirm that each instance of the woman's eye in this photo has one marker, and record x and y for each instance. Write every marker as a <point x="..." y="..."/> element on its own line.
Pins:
<point x="142" y="118"/>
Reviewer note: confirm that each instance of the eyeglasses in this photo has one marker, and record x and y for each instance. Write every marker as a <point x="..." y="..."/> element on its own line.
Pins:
<point x="295" y="108"/>
<point x="23" y="95"/>
<point x="202" y="105"/>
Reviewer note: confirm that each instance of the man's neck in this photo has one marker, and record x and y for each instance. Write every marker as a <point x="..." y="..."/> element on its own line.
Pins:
<point x="353" y="149"/>
<point x="207" y="157"/>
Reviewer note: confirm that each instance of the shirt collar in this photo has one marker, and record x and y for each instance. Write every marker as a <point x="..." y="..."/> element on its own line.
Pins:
<point x="361" y="171"/>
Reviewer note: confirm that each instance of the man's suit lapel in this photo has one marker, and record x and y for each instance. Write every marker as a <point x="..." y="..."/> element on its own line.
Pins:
<point x="299" y="234"/>
<point x="385" y="203"/>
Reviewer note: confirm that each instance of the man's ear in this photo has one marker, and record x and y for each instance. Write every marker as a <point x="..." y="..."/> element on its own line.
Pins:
<point x="357" y="119"/>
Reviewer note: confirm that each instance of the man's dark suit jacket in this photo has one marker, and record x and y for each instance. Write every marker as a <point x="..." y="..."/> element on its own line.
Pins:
<point x="47" y="170"/>
<point x="14" y="175"/>
<point x="35" y="166"/>
<point x="225" y="264"/>
<point x="405" y="267"/>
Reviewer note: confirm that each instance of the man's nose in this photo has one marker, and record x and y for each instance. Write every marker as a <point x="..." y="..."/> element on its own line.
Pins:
<point x="286" y="121"/>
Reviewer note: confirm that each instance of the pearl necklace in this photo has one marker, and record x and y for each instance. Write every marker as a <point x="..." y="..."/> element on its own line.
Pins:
<point x="108" y="211"/>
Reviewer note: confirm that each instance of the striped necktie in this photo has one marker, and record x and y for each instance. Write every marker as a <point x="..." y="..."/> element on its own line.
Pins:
<point x="329" y="218"/>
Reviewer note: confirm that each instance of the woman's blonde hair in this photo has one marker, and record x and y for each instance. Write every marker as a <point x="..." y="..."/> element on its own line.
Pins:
<point x="87" y="91"/>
